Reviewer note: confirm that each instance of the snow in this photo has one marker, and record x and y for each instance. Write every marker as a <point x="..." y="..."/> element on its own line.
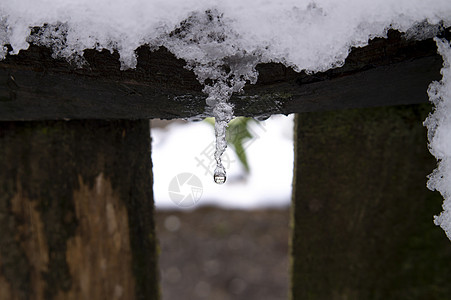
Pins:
<point x="439" y="134"/>
<point x="311" y="35"/>
<point x="188" y="148"/>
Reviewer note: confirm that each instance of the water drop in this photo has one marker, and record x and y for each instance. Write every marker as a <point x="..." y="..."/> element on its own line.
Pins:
<point x="220" y="178"/>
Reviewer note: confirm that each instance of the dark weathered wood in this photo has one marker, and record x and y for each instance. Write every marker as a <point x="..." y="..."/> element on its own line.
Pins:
<point x="34" y="86"/>
<point x="362" y="215"/>
<point x="76" y="211"/>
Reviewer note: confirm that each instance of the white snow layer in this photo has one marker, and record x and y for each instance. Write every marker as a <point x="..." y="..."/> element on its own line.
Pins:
<point x="439" y="134"/>
<point x="311" y="35"/>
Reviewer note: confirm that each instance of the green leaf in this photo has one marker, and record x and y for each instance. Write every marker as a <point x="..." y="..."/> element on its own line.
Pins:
<point x="236" y="135"/>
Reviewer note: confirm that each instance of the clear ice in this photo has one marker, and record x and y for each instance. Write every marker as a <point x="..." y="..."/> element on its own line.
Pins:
<point x="222" y="111"/>
<point x="209" y="45"/>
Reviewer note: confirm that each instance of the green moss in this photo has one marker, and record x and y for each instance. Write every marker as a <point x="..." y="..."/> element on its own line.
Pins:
<point x="362" y="215"/>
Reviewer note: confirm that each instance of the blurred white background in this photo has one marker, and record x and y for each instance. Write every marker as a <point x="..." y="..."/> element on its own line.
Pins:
<point x="187" y="147"/>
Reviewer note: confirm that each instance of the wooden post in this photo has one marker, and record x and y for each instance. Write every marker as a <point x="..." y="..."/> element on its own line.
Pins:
<point x="76" y="211"/>
<point x="362" y="215"/>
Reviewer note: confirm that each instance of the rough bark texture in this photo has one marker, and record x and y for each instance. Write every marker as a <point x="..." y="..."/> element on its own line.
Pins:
<point x="362" y="214"/>
<point x="76" y="211"/>
<point x="35" y="86"/>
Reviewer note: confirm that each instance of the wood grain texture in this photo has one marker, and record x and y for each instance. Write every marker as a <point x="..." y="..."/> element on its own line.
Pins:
<point x="76" y="211"/>
<point x="35" y="86"/>
<point x="362" y="215"/>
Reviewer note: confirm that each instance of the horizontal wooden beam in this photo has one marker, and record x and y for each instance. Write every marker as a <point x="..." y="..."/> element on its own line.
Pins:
<point x="35" y="86"/>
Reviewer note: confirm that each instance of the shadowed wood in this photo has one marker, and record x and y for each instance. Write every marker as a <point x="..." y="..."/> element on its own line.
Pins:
<point x="362" y="215"/>
<point x="35" y="86"/>
<point x="76" y="211"/>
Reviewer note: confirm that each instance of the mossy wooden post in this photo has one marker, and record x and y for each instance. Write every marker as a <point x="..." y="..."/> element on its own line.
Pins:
<point x="362" y="215"/>
<point x="76" y="201"/>
<point x="76" y="211"/>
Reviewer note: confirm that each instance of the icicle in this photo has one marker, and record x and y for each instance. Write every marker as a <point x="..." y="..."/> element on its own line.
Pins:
<point x="219" y="94"/>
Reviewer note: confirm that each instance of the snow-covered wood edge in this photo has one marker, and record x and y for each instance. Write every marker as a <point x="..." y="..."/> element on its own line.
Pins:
<point x="35" y="86"/>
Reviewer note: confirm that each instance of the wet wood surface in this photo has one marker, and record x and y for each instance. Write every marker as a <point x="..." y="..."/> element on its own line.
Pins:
<point x="35" y="86"/>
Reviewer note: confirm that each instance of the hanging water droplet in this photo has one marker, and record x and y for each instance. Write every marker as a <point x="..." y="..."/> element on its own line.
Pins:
<point x="220" y="178"/>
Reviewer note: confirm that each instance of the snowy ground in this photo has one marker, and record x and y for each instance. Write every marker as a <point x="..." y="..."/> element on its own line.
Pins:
<point x="188" y="148"/>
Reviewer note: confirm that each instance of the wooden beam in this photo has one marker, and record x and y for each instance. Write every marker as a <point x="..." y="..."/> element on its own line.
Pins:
<point x="35" y="86"/>
<point x="76" y="211"/>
